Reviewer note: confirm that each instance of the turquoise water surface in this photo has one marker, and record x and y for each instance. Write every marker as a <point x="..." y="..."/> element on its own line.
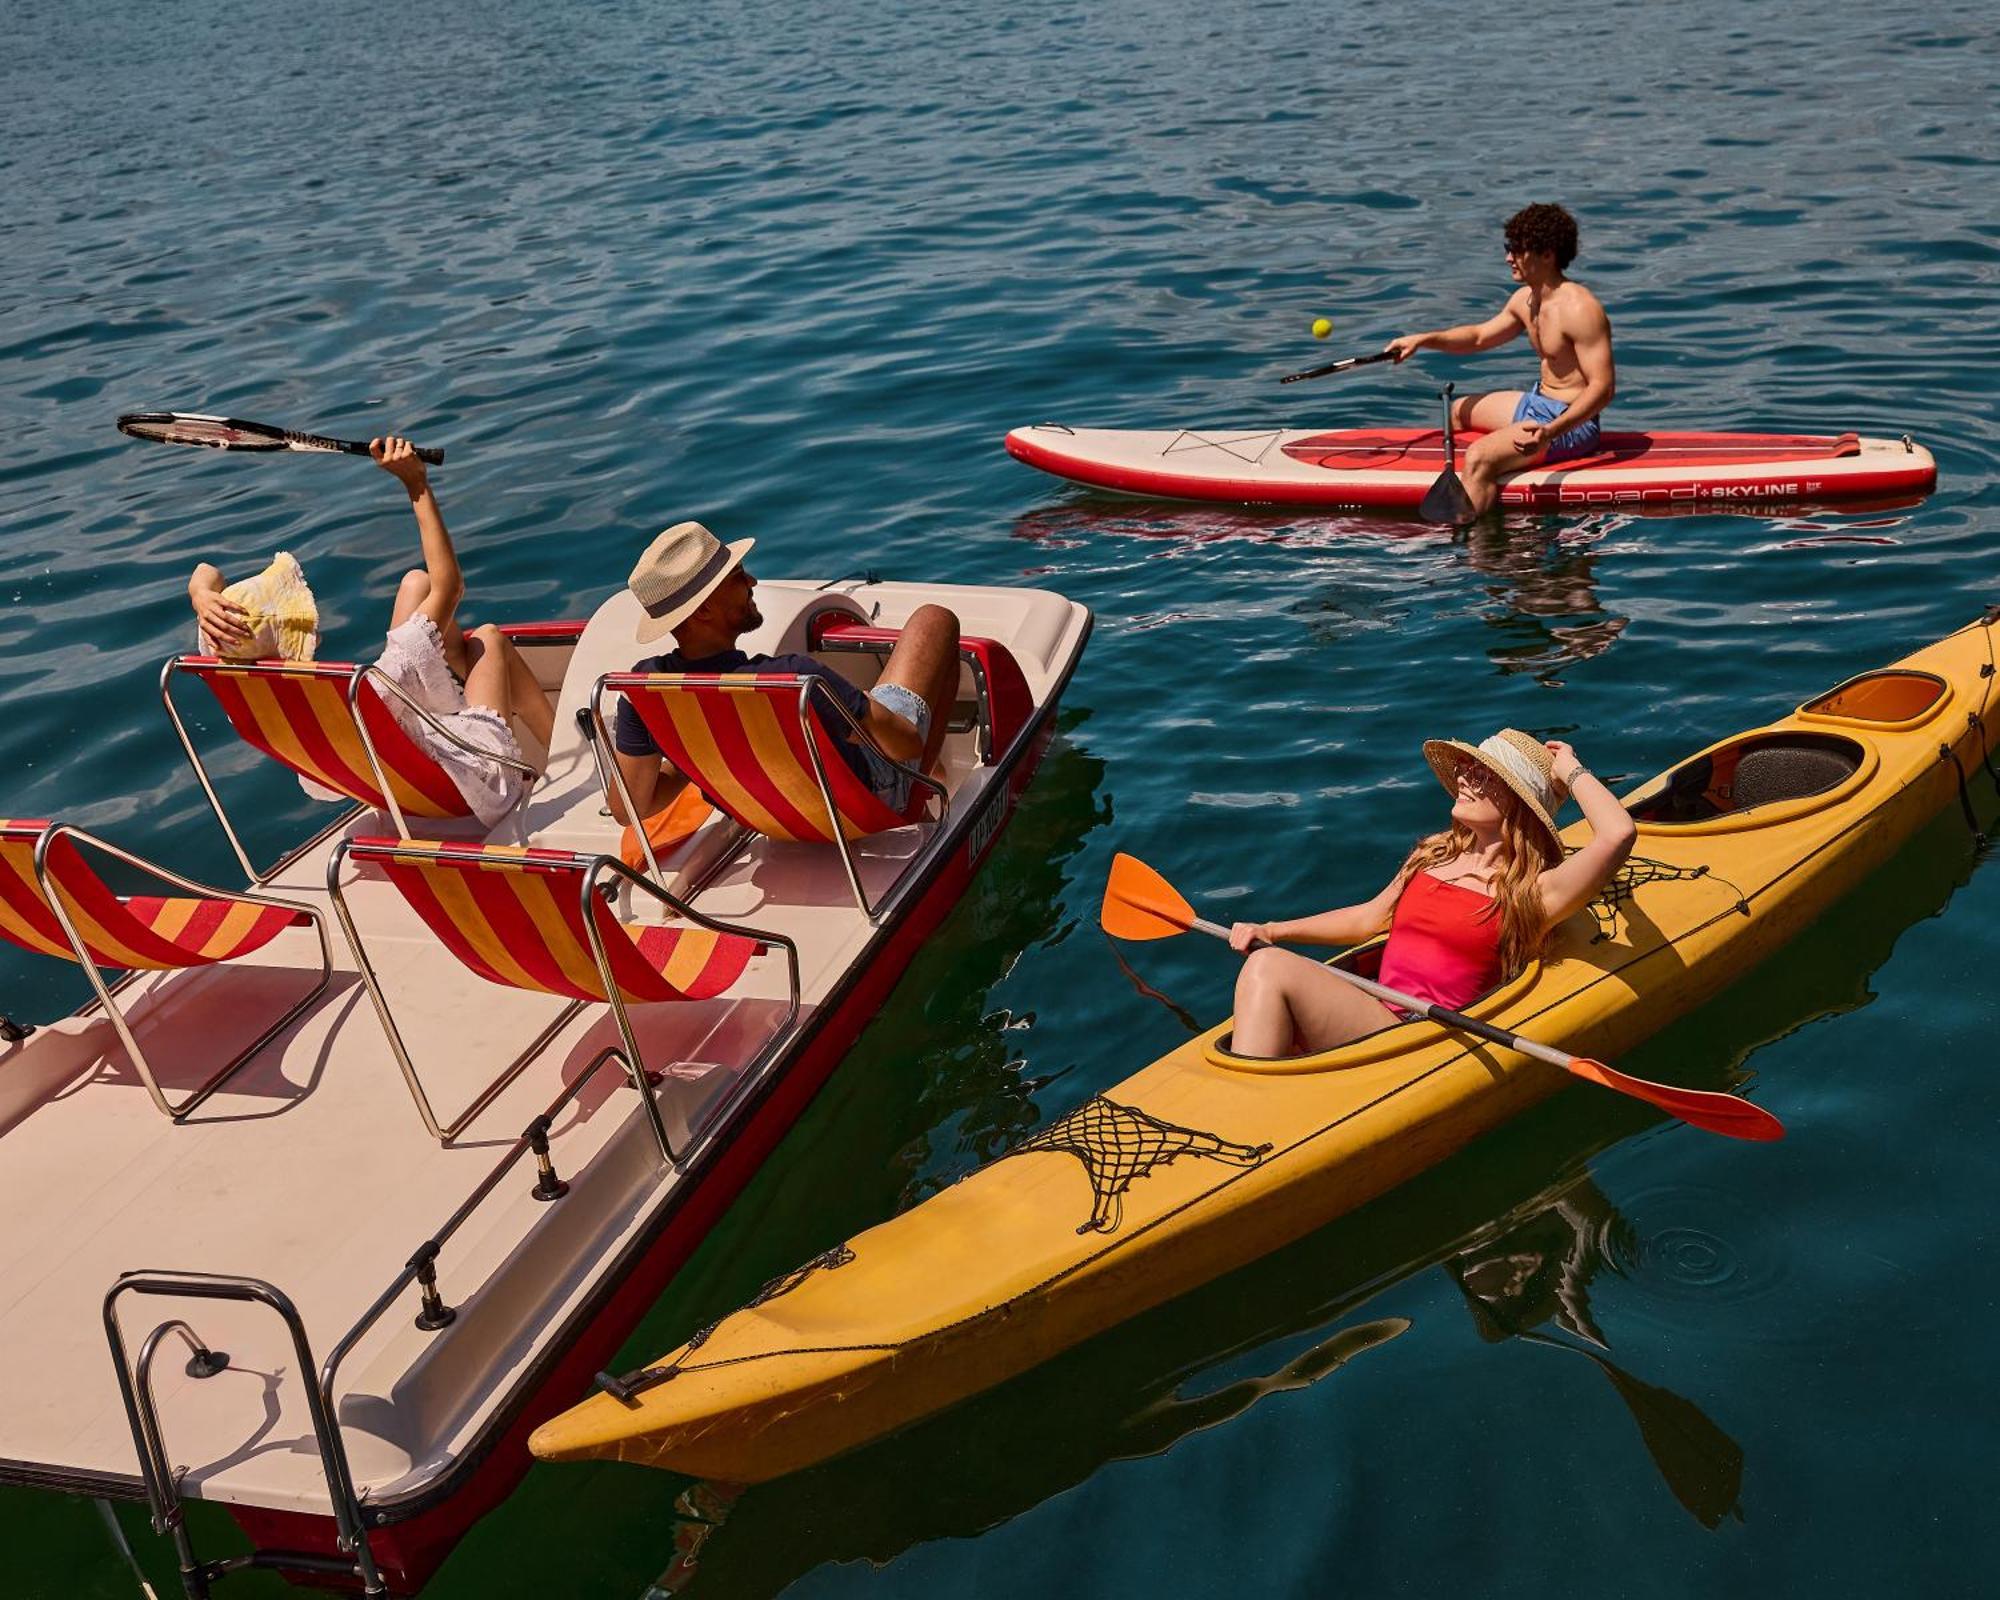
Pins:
<point x="794" y="271"/>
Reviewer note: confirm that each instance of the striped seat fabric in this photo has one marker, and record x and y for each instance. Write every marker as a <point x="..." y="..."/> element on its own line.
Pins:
<point x="741" y="739"/>
<point x="514" y="915"/>
<point x="136" y="932"/>
<point x="297" y="713"/>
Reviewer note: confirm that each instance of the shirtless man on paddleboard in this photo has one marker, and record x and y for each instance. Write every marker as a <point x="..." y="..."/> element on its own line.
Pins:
<point x="1557" y="419"/>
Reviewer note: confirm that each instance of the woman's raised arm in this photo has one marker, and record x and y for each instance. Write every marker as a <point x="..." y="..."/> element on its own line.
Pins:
<point x="399" y="458"/>
<point x="1572" y="884"/>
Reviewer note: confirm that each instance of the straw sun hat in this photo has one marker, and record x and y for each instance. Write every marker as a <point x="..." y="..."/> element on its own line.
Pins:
<point x="679" y="570"/>
<point x="1517" y="759"/>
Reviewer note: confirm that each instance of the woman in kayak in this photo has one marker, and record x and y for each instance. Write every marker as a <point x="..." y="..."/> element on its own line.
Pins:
<point x="1471" y="907"/>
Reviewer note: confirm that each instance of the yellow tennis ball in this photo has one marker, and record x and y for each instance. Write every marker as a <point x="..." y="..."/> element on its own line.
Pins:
<point x="1321" y="327"/>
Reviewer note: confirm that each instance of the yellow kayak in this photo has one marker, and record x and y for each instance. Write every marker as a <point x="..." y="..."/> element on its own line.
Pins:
<point x="1205" y="1160"/>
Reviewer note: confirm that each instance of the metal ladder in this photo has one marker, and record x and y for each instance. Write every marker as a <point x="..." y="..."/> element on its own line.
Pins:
<point x="135" y="1384"/>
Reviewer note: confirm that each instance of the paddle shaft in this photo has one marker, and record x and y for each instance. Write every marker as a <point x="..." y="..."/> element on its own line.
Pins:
<point x="1425" y="1008"/>
<point x="1332" y="367"/>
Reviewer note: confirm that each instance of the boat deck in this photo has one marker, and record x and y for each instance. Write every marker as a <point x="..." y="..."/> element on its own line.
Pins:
<point x="311" y="1170"/>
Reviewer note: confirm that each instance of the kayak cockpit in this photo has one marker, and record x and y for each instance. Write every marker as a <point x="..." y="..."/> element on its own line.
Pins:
<point x="1760" y="770"/>
<point x="1391" y="1039"/>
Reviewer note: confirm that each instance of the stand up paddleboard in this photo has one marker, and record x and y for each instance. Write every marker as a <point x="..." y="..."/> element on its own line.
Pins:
<point x="1357" y="469"/>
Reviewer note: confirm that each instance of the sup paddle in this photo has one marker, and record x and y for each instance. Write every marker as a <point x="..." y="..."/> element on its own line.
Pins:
<point x="1332" y="367"/>
<point x="1140" y="904"/>
<point x="229" y="433"/>
<point x="1446" y="500"/>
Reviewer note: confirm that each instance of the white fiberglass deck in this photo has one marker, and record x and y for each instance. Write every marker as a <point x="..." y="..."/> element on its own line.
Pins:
<point x="310" y="1168"/>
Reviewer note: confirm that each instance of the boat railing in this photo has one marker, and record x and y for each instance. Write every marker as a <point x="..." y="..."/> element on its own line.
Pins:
<point x="434" y="1313"/>
<point x="163" y="1496"/>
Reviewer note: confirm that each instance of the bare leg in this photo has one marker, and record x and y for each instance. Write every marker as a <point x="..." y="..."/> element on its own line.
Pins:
<point x="411" y="593"/>
<point x="924" y="661"/>
<point x="498" y="677"/>
<point x="1485" y="412"/>
<point x="1283" y="998"/>
<point x="1493" y="458"/>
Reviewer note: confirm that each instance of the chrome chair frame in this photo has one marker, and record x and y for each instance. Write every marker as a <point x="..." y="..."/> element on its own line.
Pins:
<point x="175" y="1113"/>
<point x="360" y="675"/>
<point x="807" y="685"/>
<point x="633" y="1060"/>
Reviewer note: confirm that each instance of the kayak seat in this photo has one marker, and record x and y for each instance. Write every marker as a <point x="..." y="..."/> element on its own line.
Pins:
<point x="1757" y="771"/>
<point x="55" y="903"/>
<point x="327" y="722"/>
<point x="535" y="919"/>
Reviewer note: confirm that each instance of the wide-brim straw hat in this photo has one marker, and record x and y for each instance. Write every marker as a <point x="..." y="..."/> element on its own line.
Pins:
<point x="1520" y="761"/>
<point x="679" y="570"/>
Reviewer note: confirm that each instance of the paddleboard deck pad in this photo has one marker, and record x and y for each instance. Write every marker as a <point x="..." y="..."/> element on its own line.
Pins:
<point x="1355" y="469"/>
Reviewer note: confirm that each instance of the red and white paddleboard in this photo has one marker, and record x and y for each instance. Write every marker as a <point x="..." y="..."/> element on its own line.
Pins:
<point x="1353" y="469"/>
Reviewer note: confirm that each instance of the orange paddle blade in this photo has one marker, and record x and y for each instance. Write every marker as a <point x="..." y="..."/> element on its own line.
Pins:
<point x="1140" y="904"/>
<point x="1717" y="1113"/>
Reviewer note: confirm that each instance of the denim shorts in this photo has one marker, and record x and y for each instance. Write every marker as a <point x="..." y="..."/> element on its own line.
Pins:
<point x="1578" y="441"/>
<point x="890" y="782"/>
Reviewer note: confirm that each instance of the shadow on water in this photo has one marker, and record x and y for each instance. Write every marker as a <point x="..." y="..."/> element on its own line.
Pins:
<point x="1516" y="1221"/>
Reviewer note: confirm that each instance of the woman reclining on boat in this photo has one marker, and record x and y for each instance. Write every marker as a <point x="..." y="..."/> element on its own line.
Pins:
<point x="474" y="683"/>
<point x="1471" y="907"/>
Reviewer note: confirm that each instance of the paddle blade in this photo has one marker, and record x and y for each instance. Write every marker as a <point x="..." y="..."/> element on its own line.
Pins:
<point x="1140" y="904"/>
<point x="1725" y="1114"/>
<point x="1446" y="501"/>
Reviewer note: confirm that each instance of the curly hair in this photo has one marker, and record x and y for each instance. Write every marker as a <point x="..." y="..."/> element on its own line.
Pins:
<point x="1543" y="227"/>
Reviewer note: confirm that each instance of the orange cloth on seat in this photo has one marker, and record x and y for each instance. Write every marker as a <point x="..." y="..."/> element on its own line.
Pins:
<point x="677" y="821"/>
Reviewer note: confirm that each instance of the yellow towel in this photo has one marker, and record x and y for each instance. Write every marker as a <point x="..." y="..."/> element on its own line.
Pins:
<point x="279" y="612"/>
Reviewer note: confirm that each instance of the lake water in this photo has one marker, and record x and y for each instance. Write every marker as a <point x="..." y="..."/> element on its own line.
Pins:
<point x="794" y="271"/>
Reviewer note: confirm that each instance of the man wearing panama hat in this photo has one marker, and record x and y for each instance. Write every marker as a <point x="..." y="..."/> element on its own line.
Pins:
<point x="693" y="586"/>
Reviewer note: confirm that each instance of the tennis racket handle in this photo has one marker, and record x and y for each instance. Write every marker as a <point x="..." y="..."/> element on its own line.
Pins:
<point x="429" y="454"/>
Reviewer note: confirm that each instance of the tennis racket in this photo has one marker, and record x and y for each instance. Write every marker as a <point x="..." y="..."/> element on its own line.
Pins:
<point x="228" y="433"/>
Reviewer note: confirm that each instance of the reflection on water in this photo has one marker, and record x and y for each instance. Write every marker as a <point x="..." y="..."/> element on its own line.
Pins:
<point x="1535" y="1268"/>
<point x="1544" y="572"/>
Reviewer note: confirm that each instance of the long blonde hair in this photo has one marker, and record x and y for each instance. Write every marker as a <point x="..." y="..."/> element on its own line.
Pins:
<point x="1517" y="900"/>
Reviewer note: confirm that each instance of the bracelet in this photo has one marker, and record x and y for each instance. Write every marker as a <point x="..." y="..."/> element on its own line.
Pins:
<point x="1578" y="771"/>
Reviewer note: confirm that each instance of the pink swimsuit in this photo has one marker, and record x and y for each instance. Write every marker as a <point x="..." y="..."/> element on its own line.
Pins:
<point x="1444" y="943"/>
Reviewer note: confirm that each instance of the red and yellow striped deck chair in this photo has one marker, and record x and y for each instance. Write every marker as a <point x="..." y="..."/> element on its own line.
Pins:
<point x="327" y="722"/>
<point x="755" y="744"/>
<point x="535" y="919"/>
<point x="52" y="901"/>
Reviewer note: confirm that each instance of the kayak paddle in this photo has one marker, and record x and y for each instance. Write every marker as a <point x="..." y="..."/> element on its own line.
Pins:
<point x="1338" y="366"/>
<point x="1140" y="904"/>
<point x="1446" y="500"/>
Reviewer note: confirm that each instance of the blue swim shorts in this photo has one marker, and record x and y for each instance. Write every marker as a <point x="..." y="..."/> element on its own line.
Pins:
<point x="1578" y="441"/>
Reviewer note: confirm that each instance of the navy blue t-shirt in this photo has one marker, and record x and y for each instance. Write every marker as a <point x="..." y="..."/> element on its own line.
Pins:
<point x="633" y="739"/>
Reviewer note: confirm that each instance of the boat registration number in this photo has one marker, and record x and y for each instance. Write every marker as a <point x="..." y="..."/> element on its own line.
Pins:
<point x="986" y="825"/>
